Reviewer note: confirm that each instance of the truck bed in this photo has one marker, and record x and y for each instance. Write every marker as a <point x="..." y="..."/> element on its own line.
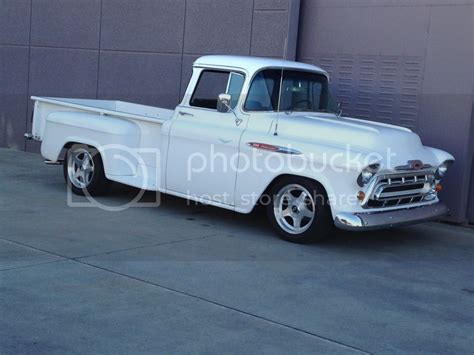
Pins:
<point x="136" y="112"/>
<point x="113" y="108"/>
<point x="121" y="129"/>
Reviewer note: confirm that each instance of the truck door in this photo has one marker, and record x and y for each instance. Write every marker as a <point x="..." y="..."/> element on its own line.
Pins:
<point x="204" y="143"/>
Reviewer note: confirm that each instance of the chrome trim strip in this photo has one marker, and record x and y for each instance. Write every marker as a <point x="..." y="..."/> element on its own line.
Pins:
<point x="273" y="148"/>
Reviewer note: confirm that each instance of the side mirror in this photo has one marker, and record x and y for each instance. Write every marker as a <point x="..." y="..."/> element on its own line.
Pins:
<point x="223" y="103"/>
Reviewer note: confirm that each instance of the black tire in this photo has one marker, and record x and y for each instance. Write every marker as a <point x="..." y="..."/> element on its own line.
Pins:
<point x="317" y="228"/>
<point x="99" y="184"/>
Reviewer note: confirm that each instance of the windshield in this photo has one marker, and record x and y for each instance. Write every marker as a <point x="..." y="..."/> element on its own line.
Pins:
<point x="302" y="91"/>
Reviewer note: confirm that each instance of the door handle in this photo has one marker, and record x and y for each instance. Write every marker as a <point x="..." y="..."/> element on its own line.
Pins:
<point x="182" y="113"/>
<point x="238" y="121"/>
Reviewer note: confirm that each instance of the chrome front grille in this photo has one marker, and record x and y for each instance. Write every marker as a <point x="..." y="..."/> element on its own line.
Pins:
<point x="389" y="190"/>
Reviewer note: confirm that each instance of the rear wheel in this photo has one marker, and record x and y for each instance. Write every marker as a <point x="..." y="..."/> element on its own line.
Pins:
<point x="84" y="171"/>
<point x="299" y="211"/>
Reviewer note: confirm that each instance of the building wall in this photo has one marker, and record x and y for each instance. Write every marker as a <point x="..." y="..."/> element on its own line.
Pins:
<point x="470" y="207"/>
<point x="140" y="50"/>
<point x="406" y="62"/>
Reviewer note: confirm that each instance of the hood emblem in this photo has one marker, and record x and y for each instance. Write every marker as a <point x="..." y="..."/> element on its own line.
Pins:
<point x="413" y="165"/>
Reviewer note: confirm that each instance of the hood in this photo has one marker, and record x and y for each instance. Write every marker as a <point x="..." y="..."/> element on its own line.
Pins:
<point x="392" y="145"/>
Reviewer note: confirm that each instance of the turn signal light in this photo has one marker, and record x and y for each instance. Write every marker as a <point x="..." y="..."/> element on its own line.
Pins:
<point x="361" y="195"/>
<point x="438" y="187"/>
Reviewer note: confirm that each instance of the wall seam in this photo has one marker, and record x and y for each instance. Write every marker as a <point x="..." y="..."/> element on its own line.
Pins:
<point x="99" y="51"/>
<point x="288" y="25"/>
<point x="293" y="29"/>
<point x="182" y="51"/>
<point x="94" y="49"/>
<point x="424" y="65"/>
<point x="14" y="45"/>
<point x="391" y="6"/>
<point x="251" y="27"/>
<point x="270" y="10"/>
<point x="28" y="75"/>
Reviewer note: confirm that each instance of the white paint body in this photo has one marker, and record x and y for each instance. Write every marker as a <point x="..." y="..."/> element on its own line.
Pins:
<point x="177" y="134"/>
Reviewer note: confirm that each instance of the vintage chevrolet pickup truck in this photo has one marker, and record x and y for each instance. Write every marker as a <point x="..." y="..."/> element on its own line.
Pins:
<point x="250" y="131"/>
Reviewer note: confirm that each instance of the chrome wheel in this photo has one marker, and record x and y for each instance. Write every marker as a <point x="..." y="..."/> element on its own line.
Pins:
<point x="294" y="209"/>
<point x="80" y="168"/>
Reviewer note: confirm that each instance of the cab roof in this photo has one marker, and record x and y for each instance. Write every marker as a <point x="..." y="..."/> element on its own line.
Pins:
<point x="252" y="64"/>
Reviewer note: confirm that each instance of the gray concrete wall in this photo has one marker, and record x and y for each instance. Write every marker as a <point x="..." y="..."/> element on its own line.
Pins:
<point x="139" y="51"/>
<point x="406" y="62"/>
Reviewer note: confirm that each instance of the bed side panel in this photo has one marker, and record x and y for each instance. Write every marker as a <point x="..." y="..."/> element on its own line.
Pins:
<point x="118" y="140"/>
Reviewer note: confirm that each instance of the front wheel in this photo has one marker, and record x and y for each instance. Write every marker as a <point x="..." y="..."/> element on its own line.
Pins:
<point x="84" y="171"/>
<point x="299" y="211"/>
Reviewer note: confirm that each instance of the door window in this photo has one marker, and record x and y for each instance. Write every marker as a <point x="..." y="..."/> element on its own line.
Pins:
<point x="212" y="83"/>
<point x="236" y="82"/>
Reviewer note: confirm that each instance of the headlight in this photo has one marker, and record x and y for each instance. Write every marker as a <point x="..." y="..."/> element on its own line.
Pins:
<point x="443" y="169"/>
<point x="367" y="174"/>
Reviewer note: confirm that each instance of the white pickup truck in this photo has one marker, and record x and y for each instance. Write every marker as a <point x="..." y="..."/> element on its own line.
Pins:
<point x="251" y="131"/>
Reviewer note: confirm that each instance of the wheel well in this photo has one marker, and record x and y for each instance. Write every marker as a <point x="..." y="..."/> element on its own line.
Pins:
<point x="62" y="154"/>
<point x="284" y="176"/>
<point x="70" y="144"/>
<point x="67" y="146"/>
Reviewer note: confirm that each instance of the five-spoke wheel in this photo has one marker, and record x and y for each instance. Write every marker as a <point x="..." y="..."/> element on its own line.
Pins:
<point x="80" y="168"/>
<point x="84" y="171"/>
<point x="294" y="209"/>
<point x="299" y="210"/>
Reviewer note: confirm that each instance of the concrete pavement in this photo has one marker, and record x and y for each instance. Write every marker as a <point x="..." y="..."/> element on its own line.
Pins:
<point x="184" y="278"/>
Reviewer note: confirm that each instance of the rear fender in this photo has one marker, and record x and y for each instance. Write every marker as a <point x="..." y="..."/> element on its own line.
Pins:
<point x="117" y="140"/>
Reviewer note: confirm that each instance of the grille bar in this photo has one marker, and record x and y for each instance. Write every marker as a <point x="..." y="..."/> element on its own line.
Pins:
<point x="396" y="194"/>
<point x="400" y="189"/>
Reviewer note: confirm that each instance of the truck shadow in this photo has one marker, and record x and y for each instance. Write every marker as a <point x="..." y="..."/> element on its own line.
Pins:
<point x="256" y="223"/>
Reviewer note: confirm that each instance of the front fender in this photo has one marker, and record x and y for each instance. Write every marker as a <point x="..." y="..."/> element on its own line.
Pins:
<point x="338" y="179"/>
<point x="440" y="156"/>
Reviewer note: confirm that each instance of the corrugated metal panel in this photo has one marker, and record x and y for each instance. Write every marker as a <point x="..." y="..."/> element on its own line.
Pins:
<point x="380" y="88"/>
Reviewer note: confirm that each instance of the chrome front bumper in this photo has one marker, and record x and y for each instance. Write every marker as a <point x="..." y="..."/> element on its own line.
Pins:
<point x="387" y="219"/>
